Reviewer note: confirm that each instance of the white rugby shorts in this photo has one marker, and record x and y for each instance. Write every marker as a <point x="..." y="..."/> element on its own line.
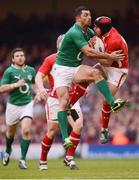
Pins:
<point x="115" y="76"/>
<point x="16" y="113"/>
<point x="52" y="108"/>
<point x="63" y="75"/>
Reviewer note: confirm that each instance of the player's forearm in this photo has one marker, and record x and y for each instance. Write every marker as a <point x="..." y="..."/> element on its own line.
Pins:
<point x="39" y="81"/>
<point x="98" y="55"/>
<point x="35" y="88"/>
<point x="8" y="87"/>
<point x="90" y="52"/>
<point x="42" y="92"/>
<point x="105" y="62"/>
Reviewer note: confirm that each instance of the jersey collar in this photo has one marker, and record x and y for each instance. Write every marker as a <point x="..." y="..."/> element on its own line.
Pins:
<point x="79" y="27"/>
<point x="24" y="67"/>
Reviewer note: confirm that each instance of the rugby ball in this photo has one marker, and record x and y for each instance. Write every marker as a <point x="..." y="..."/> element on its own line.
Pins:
<point x="98" y="44"/>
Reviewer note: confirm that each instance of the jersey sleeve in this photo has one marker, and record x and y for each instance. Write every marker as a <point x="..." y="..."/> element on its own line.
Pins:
<point x="78" y="39"/>
<point x="47" y="65"/>
<point x="5" y="78"/>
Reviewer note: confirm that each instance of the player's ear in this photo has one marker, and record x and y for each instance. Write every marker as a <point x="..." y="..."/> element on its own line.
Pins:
<point x="13" y="60"/>
<point x="77" y="18"/>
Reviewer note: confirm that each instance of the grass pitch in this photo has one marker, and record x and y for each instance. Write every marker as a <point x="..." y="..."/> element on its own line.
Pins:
<point x="88" y="169"/>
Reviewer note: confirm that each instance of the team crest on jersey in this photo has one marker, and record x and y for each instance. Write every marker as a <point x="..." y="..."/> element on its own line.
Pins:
<point x="29" y="77"/>
<point x="17" y="76"/>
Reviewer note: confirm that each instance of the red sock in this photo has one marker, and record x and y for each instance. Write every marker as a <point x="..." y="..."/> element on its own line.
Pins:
<point x="106" y="111"/>
<point x="75" y="138"/>
<point x="45" y="147"/>
<point x="79" y="92"/>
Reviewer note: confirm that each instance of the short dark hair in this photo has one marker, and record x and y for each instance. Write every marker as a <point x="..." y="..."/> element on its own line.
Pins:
<point x="79" y="10"/>
<point x="16" y="50"/>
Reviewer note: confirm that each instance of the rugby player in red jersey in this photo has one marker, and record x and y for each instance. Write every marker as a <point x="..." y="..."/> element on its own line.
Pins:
<point x="115" y="72"/>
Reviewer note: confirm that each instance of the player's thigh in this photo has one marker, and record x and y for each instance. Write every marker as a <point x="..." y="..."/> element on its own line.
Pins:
<point x="101" y="70"/>
<point x="63" y="97"/>
<point x="26" y="123"/>
<point x="62" y="92"/>
<point x="85" y="74"/>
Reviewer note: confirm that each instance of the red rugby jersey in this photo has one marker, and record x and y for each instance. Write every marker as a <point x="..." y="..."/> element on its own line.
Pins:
<point x="113" y="41"/>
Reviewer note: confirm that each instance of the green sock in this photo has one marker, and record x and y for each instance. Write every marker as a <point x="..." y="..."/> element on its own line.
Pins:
<point x="63" y="123"/>
<point x="105" y="91"/>
<point x="9" y="141"/>
<point x="24" y="148"/>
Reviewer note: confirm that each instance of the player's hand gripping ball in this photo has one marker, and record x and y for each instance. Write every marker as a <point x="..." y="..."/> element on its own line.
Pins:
<point x="96" y="43"/>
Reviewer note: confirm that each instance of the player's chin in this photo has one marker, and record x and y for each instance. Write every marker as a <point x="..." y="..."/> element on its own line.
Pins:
<point x="21" y="64"/>
<point x="89" y="23"/>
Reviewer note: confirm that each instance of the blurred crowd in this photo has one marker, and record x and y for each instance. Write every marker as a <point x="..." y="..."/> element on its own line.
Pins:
<point x="37" y="36"/>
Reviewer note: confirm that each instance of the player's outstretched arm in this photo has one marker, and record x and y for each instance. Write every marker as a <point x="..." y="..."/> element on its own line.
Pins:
<point x="42" y="92"/>
<point x="115" y="56"/>
<point x="9" y="87"/>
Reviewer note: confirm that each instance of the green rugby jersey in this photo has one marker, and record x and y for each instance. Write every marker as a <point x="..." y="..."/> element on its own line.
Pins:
<point x="70" y="52"/>
<point x="22" y="95"/>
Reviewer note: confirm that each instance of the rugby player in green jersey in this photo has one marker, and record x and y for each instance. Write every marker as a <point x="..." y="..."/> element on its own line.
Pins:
<point x="17" y="80"/>
<point x="68" y="67"/>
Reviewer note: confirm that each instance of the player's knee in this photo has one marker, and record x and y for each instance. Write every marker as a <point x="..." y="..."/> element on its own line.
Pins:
<point x="26" y="132"/>
<point x="64" y="103"/>
<point x="10" y="133"/>
<point x="92" y="73"/>
<point x="96" y="74"/>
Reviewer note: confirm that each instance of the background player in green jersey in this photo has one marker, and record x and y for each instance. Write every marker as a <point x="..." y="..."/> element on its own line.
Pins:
<point x="17" y="80"/>
<point x="68" y="67"/>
